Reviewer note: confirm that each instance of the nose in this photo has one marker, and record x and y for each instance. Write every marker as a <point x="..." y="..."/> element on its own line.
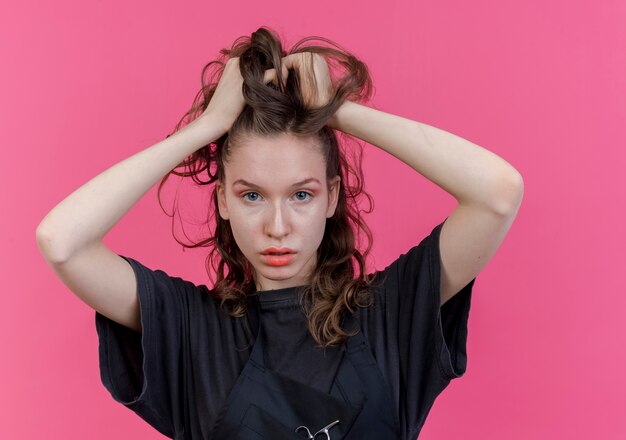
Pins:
<point x="277" y="224"/>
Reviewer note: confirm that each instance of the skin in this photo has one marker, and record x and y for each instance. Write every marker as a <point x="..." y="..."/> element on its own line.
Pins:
<point x="277" y="214"/>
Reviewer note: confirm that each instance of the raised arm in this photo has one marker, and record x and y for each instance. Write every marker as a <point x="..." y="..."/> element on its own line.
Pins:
<point x="488" y="189"/>
<point x="70" y="235"/>
<point x="86" y="215"/>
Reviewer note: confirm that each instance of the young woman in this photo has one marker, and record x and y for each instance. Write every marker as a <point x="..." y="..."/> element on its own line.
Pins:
<point x="294" y="339"/>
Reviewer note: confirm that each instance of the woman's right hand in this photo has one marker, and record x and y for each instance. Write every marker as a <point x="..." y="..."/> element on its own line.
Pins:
<point x="227" y="101"/>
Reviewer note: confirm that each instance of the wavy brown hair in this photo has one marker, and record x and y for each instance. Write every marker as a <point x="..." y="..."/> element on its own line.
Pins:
<point x="335" y="287"/>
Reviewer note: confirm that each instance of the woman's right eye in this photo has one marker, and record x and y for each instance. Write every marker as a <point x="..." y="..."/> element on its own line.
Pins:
<point x="249" y="193"/>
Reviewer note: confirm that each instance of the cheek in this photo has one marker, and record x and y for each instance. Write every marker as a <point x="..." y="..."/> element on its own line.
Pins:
<point x="315" y="227"/>
<point x="243" y="230"/>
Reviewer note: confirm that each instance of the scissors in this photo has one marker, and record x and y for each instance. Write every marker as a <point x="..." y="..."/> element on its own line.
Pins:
<point x="324" y="430"/>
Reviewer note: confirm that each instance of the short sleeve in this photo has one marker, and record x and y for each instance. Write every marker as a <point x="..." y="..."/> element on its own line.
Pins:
<point x="419" y="345"/>
<point x="143" y="370"/>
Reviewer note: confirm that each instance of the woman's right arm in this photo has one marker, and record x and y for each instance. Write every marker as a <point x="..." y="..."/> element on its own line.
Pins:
<point x="70" y="235"/>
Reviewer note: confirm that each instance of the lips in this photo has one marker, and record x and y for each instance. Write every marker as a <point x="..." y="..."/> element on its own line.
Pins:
<point x="277" y="251"/>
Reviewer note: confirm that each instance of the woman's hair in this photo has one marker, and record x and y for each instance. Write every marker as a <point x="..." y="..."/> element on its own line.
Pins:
<point x="334" y="287"/>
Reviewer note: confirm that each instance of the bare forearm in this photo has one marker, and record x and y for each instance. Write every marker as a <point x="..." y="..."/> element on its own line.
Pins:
<point x="469" y="172"/>
<point x="87" y="214"/>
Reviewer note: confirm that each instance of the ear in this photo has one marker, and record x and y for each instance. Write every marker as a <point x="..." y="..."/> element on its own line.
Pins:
<point x="221" y="201"/>
<point x="333" y="196"/>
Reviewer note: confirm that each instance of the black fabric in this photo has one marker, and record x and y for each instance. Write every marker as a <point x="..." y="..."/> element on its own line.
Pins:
<point x="419" y="345"/>
<point x="180" y="370"/>
<point x="266" y="404"/>
<point x="290" y="348"/>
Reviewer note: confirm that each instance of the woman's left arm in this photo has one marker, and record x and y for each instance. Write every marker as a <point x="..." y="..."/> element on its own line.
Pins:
<point x="470" y="173"/>
<point x="488" y="189"/>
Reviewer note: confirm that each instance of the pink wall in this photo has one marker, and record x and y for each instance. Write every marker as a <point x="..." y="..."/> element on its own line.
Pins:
<point x="87" y="84"/>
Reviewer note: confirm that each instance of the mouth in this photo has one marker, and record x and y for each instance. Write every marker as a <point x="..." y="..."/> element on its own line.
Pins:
<point x="278" y="260"/>
<point x="277" y="252"/>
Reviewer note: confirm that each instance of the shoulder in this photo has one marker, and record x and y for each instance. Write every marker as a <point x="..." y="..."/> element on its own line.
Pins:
<point x="168" y="293"/>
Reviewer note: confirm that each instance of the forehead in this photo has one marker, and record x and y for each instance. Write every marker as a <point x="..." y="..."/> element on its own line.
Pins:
<point x="275" y="161"/>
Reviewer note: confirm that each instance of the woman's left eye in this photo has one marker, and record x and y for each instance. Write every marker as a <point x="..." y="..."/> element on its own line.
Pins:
<point x="304" y="193"/>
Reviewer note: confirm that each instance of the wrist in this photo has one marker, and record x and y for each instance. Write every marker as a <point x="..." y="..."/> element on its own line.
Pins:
<point x="336" y="120"/>
<point x="210" y="126"/>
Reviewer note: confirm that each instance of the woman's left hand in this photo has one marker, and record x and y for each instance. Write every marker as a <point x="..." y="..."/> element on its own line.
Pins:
<point x="314" y="95"/>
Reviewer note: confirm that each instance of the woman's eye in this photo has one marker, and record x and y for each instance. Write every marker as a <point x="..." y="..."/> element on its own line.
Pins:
<point x="303" y="194"/>
<point x="251" y="193"/>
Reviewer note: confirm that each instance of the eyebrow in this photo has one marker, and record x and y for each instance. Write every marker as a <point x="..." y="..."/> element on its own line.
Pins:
<point x="252" y="185"/>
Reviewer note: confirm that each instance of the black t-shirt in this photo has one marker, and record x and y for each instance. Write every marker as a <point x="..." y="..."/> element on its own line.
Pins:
<point x="179" y="371"/>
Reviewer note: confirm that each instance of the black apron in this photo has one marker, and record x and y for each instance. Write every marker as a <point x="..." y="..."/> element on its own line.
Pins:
<point x="264" y="404"/>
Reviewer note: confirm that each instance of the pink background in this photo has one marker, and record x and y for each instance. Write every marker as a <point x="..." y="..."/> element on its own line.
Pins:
<point x="542" y="84"/>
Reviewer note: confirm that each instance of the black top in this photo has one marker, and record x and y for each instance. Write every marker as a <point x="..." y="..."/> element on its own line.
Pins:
<point x="290" y="348"/>
<point x="189" y="355"/>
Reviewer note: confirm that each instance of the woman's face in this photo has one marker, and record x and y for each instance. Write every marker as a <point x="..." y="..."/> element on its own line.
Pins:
<point x="276" y="195"/>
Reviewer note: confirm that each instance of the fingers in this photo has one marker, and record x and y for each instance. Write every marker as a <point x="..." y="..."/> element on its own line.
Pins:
<point x="292" y="61"/>
<point x="270" y="75"/>
<point x="285" y="72"/>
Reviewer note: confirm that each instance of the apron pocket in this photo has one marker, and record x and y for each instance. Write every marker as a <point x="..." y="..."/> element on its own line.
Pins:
<point x="259" y="424"/>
